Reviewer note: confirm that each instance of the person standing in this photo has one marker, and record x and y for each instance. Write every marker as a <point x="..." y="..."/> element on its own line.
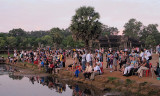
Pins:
<point x="115" y="60"/>
<point x="108" y="59"/>
<point x="88" y="58"/>
<point x="83" y="61"/>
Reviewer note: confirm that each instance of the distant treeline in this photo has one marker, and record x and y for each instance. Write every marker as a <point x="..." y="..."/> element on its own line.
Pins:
<point x="21" y="39"/>
<point x="85" y="28"/>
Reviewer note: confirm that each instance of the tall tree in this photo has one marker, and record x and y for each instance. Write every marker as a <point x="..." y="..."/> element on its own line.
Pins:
<point x="85" y="25"/>
<point x="56" y="34"/>
<point x="152" y="30"/>
<point x="133" y="28"/>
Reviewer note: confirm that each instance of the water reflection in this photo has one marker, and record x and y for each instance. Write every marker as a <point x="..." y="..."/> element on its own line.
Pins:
<point x="52" y="83"/>
<point x="7" y="69"/>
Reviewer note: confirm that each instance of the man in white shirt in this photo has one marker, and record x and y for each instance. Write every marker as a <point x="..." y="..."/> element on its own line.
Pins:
<point x="142" y="54"/>
<point x="97" y="71"/>
<point x="147" y="54"/>
<point x="89" y="59"/>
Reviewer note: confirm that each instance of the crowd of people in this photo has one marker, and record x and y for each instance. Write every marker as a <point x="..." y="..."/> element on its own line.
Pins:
<point x="129" y="62"/>
<point x="45" y="58"/>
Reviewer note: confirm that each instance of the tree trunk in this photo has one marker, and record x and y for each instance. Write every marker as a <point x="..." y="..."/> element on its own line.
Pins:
<point x="87" y="44"/>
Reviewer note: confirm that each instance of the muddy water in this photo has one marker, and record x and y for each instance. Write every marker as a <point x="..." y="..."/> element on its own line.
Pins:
<point x="11" y="85"/>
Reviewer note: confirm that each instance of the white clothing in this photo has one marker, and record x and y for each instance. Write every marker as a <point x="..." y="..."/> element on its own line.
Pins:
<point x="142" y="55"/>
<point x="88" y="57"/>
<point x="128" y="69"/>
<point x="15" y="54"/>
<point x="83" y="57"/>
<point x="147" y="54"/>
<point x="97" y="68"/>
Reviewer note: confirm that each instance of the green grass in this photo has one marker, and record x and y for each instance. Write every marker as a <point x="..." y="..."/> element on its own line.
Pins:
<point x="112" y="78"/>
<point x="128" y="81"/>
<point x="5" y="55"/>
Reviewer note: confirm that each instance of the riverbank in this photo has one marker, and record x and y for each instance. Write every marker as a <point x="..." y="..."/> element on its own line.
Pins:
<point x="107" y="81"/>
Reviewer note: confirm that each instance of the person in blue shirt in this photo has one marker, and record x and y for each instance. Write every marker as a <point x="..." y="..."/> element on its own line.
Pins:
<point x="42" y="63"/>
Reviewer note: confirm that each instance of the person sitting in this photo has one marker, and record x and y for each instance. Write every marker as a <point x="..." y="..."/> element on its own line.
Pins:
<point x="72" y="66"/>
<point x="157" y="71"/>
<point x="50" y="67"/>
<point x="88" y="71"/>
<point x="97" y="71"/>
<point x="78" y="70"/>
<point x="128" y="69"/>
<point x="41" y="64"/>
<point x="57" y="67"/>
<point x="137" y="66"/>
<point x="100" y="65"/>
<point x="144" y="66"/>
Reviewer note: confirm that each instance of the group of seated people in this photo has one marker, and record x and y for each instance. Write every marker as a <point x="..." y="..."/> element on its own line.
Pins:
<point x="90" y="71"/>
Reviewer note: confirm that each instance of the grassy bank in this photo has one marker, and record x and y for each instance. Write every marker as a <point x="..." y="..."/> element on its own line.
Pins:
<point x="6" y="55"/>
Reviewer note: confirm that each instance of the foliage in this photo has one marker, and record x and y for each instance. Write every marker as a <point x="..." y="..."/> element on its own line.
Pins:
<point x="17" y="32"/>
<point x="147" y="34"/>
<point x="11" y="41"/>
<point x="2" y="42"/>
<point x="106" y="30"/>
<point x="133" y="28"/>
<point x="56" y="34"/>
<point x="47" y="40"/>
<point x="150" y="41"/>
<point x="85" y="25"/>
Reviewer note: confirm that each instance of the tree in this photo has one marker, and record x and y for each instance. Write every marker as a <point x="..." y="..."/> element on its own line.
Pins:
<point x="106" y="30"/>
<point x="85" y="25"/>
<point x="133" y="28"/>
<point x="56" y="34"/>
<point x="11" y="41"/>
<point x="150" y="41"/>
<point x="17" y="32"/>
<point x="2" y="42"/>
<point x="152" y="30"/>
<point x="47" y="40"/>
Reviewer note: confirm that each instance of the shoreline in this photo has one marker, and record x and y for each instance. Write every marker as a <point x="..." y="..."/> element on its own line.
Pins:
<point x="102" y="83"/>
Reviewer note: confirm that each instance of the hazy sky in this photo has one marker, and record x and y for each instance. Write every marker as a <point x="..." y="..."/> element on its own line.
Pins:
<point x="46" y="14"/>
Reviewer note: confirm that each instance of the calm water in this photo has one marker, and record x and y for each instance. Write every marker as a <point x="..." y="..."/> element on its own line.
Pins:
<point x="11" y="85"/>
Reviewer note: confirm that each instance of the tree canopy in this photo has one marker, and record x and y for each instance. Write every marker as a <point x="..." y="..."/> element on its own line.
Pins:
<point x="85" y="25"/>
